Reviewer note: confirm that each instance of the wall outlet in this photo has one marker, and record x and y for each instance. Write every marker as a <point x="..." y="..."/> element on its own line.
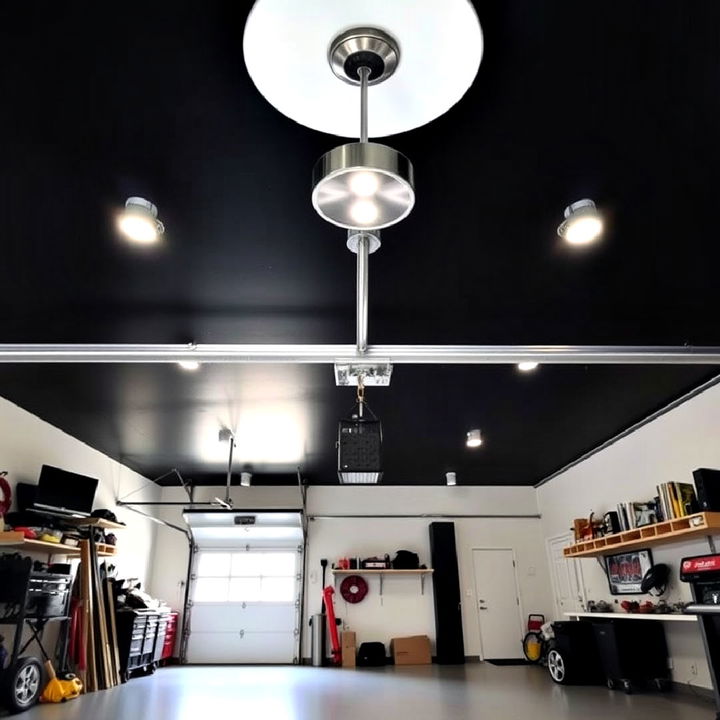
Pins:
<point x="693" y="668"/>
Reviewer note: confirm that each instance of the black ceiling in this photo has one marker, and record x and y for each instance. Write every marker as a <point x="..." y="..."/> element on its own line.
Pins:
<point x="615" y="101"/>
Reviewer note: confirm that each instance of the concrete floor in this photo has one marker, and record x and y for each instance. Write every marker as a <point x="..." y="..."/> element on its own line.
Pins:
<point x="470" y="692"/>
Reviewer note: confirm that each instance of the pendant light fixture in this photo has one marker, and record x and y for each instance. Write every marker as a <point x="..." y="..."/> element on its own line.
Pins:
<point x="363" y="185"/>
<point x="139" y="222"/>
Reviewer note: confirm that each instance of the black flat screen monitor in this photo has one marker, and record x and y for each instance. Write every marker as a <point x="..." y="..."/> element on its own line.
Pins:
<point x="65" y="492"/>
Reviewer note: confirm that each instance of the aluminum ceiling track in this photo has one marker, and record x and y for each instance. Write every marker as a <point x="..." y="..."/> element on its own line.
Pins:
<point x="396" y="354"/>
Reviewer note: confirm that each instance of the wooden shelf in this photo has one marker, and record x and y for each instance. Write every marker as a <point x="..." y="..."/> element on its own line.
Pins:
<point x="387" y="571"/>
<point x="422" y="573"/>
<point x="16" y="540"/>
<point x="95" y="522"/>
<point x="676" y="530"/>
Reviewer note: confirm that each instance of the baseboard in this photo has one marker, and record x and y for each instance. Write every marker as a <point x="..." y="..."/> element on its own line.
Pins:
<point x="693" y="690"/>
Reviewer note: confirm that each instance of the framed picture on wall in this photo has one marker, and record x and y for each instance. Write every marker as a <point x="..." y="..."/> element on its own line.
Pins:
<point x="626" y="570"/>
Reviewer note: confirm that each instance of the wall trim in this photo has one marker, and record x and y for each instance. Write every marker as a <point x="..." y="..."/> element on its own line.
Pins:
<point x="624" y="433"/>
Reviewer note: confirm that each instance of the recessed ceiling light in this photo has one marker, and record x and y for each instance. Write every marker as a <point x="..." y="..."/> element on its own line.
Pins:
<point x="527" y="366"/>
<point x="189" y="365"/>
<point x="474" y="439"/>
<point x="583" y="223"/>
<point x="139" y="222"/>
<point x="451" y="479"/>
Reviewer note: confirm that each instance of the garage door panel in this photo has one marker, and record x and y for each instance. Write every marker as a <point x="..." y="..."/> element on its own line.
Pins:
<point x="252" y="647"/>
<point x="231" y="617"/>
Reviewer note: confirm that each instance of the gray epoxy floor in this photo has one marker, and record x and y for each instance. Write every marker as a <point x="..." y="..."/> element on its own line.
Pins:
<point x="470" y="692"/>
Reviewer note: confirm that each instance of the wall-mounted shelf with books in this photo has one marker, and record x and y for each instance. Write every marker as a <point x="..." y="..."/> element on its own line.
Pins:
<point x="676" y="530"/>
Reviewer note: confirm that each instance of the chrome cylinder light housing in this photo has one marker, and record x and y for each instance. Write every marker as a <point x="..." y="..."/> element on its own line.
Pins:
<point x="365" y="186"/>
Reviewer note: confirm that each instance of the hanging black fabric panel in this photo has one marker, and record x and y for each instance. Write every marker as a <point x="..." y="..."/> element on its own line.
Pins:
<point x="446" y="591"/>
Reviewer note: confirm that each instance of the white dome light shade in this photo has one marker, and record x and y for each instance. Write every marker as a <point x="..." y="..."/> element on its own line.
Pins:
<point x="527" y="366"/>
<point x="474" y="439"/>
<point x="366" y="186"/>
<point x="583" y="223"/>
<point x="286" y="44"/>
<point x="138" y="221"/>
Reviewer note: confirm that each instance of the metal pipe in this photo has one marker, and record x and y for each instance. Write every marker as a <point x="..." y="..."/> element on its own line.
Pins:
<point x="396" y="354"/>
<point x="431" y="516"/>
<point x="364" y="73"/>
<point x="361" y="291"/>
<point x="228" y="501"/>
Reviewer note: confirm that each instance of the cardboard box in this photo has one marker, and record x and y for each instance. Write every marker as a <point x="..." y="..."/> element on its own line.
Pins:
<point x="413" y="650"/>
<point x="348" y="647"/>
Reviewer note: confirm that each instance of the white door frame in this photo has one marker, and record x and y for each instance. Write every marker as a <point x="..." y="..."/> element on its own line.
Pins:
<point x="521" y="610"/>
<point x="568" y="538"/>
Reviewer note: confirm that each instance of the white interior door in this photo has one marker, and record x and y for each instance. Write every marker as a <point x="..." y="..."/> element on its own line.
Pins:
<point x="567" y="580"/>
<point x="244" y="605"/>
<point x="498" y="604"/>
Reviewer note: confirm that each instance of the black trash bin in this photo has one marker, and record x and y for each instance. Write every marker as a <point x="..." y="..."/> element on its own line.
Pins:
<point x="633" y="653"/>
<point x="573" y="657"/>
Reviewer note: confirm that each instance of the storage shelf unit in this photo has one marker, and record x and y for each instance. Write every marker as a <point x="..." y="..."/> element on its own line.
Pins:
<point x="17" y="540"/>
<point x="422" y="573"/>
<point x="95" y="522"/>
<point x="699" y="524"/>
<point x="679" y="617"/>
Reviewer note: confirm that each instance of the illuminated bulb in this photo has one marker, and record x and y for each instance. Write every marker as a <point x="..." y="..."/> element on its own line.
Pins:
<point x="474" y="439"/>
<point x="189" y="365"/>
<point x="527" y="366"/>
<point x="364" y="184"/>
<point x="364" y="212"/>
<point x="584" y="230"/>
<point x="583" y="223"/>
<point x="139" y="223"/>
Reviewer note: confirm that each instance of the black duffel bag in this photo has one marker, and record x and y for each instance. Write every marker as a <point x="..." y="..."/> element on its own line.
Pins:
<point x="371" y="654"/>
<point x="406" y="560"/>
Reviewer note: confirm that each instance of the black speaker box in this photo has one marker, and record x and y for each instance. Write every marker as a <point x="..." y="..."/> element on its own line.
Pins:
<point x="446" y="591"/>
<point x="707" y="489"/>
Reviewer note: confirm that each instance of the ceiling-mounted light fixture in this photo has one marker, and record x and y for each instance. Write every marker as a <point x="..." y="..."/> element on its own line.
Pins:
<point x="583" y="223"/>
<point x="363" y="185"/>
<point x="189" y="365"/>
<point x="245" y="479"/>
<point x="139" y="222"/>
<point x="474" y="439"/>
<point x="359" y="445"/>
<point x="527" y="366"/>
<point x="451" y="479"/>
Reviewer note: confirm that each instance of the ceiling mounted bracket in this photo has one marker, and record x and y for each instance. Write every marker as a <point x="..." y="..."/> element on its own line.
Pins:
<point x="364" y="47"/>
<point x="350" y="374"/>
<point x="373" y="237"/>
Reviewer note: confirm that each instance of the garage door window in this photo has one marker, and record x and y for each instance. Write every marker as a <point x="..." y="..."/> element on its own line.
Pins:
<point x="246" y="577"/>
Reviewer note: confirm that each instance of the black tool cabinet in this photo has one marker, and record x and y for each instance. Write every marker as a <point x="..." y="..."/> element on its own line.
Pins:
<point x="141" y="637"/>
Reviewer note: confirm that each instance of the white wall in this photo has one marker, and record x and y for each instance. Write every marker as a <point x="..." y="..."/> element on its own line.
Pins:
<point x="667" y="449"/>
<point x="402" y="609"/>
<point x="27" y="442"/>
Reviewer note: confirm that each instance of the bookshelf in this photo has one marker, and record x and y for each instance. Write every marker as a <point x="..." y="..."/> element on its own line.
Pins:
<point x="678" y="529"/>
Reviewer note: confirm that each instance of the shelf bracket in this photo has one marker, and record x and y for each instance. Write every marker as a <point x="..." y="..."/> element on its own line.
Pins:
<point x="381" y="583"/>
<point x="711" y="544"/>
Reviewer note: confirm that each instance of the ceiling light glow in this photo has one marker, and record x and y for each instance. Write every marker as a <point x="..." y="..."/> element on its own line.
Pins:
<point x="583" y="223"/>
<point x="364" y="184"/>
<point x="139" y="223"/>
<point x="189" y="365"/>
<point x="364" y="212"/>
<point x="474" y="439"/>
<point x="527" y="366"/>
